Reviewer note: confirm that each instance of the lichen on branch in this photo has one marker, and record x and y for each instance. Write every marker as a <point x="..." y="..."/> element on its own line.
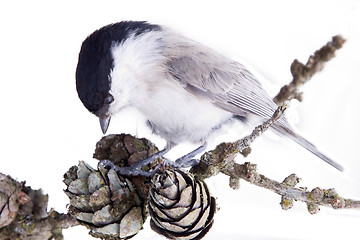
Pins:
<point x="24" y="213"/>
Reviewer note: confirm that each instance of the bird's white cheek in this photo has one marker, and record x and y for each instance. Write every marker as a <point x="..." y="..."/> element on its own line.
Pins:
<point x="122" y="89"/>
<point x="121" y="99"/>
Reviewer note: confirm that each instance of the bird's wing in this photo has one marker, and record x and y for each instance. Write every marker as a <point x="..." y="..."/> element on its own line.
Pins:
<point x="226" y="83"/>
<point x="230" y="86"/>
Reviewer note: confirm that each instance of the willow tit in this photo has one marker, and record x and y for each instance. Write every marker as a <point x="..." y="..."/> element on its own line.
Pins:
<point x="184" y="89"/>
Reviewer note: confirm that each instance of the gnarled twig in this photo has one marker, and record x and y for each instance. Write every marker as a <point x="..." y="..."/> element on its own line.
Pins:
<point x="302" y="73"/>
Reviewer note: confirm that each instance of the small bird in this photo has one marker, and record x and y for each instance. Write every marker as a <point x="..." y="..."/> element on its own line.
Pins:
<point x="184" y="89"/>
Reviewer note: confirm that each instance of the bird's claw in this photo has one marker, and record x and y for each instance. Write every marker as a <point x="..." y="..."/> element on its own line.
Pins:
<point x="136" y="169"/>
<point x="127" y="171"/>
<point x="106" y="164"/>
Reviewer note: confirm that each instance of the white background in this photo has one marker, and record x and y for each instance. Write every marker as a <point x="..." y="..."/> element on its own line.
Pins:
<point x="45" y="129"/>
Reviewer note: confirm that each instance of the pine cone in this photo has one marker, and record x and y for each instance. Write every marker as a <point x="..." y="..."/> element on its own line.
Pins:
<point x="104" y="202"/>
<point x="180" y="206"/>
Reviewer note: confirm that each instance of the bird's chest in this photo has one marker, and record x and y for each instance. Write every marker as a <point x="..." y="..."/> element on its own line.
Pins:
<point x="178" y="116"/>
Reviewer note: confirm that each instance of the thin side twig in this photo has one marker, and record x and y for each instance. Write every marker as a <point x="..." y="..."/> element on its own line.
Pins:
<point x="302" y="73"/>
<point x="287" y="189"/>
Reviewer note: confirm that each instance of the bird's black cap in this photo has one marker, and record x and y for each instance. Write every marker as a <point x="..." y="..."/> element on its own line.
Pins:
<point x="95" y="62"/>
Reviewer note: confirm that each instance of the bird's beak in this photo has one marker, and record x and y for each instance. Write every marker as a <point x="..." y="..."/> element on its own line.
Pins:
<point x="104" y="123"/>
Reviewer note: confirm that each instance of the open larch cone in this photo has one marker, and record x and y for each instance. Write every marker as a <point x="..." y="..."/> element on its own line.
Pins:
<point x="104" y="201"/>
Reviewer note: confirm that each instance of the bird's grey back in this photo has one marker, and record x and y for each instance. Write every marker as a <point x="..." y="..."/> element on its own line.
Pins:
<point x="227" y="84"/>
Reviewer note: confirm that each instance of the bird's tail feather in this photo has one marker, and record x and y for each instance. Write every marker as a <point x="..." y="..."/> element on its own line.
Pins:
<point x="283" y="130"/>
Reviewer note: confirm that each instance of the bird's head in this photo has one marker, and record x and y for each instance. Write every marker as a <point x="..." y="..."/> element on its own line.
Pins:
<point x="95" y="70"/>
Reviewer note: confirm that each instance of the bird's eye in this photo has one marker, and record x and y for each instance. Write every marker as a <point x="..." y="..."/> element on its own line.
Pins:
<point x="109" y="99"/>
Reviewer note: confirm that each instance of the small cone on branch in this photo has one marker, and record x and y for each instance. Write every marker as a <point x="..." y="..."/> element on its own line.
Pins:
<point x="21" y="210"/>
<point x="9" y="204"/>
<point x="125" y="150"/>
<point x="104" y="202"/>
<point x="180" y="206"/>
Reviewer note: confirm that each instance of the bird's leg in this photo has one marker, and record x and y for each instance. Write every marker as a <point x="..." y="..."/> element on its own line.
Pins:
<point x="187" y="160"/>
<point x="135" y="169"/>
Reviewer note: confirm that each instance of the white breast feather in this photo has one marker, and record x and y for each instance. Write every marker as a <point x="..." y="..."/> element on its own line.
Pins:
<point x="140" y="79"/>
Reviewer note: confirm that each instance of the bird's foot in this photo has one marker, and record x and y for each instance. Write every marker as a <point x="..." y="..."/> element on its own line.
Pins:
<point x="127" y="171"/>
<point x="136" y="169"/>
